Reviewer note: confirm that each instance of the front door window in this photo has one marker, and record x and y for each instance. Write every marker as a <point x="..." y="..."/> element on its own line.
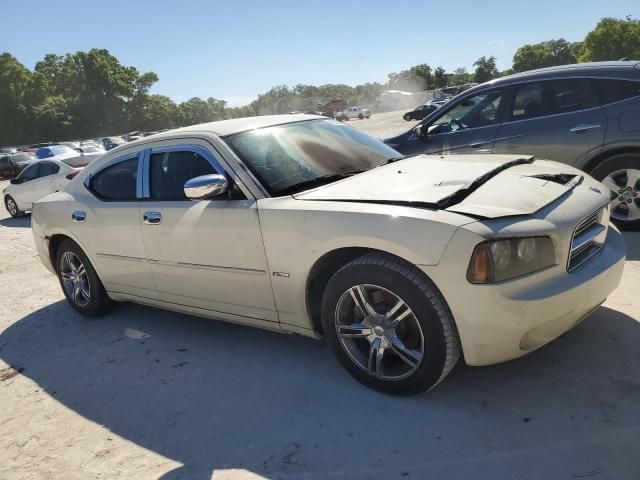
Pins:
<point x="479" y="110"/>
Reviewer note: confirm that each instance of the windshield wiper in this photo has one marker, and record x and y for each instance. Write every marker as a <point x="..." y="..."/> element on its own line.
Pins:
<point x="316" y="182"/>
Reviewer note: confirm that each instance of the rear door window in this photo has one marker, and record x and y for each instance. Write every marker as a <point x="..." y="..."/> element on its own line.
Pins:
<point x="551" y="97"/>
<point x="48" y="168"/>
<point x="611" y="90"/>
<point x="117" y="182"/>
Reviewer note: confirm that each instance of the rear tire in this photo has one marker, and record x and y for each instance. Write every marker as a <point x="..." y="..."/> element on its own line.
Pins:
<point x="621" y="175"/>
<point x="407" y="117"/>
<point x="418" y="338"/>
<point x="12" y="207"/>
<point x="80" y="282"/>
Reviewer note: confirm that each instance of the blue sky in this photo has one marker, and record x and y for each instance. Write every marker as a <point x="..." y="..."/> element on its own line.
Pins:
<point x="238" y="49"/>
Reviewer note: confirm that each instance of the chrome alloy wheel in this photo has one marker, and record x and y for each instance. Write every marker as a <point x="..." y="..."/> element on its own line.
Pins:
<point x="12" y="207"/>
<point x="379" y="332"/>
<point x="625" y="198"/>
<point x="75" y="279"/>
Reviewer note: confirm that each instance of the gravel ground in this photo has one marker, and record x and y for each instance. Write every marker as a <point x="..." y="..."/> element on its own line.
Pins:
<point x="197" y="399"/>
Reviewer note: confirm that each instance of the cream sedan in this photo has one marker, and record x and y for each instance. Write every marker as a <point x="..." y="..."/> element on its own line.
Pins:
<point x="304" y="225"/>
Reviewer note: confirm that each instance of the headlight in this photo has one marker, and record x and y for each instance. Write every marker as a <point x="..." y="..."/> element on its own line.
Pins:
<point x="498" y="260"/>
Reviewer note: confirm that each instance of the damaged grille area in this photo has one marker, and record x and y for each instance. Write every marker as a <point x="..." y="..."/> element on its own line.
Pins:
<point x="588" y="238"/>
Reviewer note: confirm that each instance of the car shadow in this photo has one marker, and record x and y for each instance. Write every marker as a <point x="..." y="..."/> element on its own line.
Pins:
<point x="19" y="222"/>
<point x="217" y="396"/>
<point x="632" y="242"/>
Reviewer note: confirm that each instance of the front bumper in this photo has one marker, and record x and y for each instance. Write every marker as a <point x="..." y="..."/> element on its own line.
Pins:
<point x="503" y="321"/>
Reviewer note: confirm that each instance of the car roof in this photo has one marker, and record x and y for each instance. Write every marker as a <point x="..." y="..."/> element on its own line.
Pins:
<point x="223" y="128"/>
<point x="626" y="68"/>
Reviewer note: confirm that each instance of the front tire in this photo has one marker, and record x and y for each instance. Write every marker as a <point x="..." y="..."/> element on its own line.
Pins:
<point x="12" y="207"/>
<point x="389" y="326"/>
<point x="360" y="116"/>
<point x="621" y="175"/>
<point x="80" y="282"/>
<point x="407" y="117"/>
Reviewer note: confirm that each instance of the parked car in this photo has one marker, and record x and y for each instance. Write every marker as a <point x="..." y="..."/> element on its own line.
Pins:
<point x="585" y="115"/>
<point x="12" y="165"/>
<point x="355" y="112"/>
<point x="110" y="143"/>
<point x="303" y="224"/>
<point x="67" y="155"/>
<point x="8" y="150"/>
<point x="35" y="182"/>
<point x="421" y="111"/>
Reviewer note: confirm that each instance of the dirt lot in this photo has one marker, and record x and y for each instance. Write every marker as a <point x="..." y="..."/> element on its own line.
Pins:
<point x="198" y="399"/>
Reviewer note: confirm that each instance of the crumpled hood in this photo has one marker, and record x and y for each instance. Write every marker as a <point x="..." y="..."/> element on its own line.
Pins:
<point x="479" y="185"/>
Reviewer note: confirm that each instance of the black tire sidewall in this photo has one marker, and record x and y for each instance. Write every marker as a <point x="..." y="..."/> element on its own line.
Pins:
<point x="99" y="300"/>
<point x="621" y="161"/>
<point x="18" y="213"/>
<point x="430" y="371"/>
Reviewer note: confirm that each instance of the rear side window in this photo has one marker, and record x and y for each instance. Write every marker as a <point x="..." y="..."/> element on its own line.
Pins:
<point x="609" y="91"/>
<point x="539" y="99"/>
<point x="169" y="171"/>
<point x="117" y="182"/>
<point x="47" y="168"/>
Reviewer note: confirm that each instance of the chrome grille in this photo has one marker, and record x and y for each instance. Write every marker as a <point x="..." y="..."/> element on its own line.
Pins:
<point x="588" y="237"/>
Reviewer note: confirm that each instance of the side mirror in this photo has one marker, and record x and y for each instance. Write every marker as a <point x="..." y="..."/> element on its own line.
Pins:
<point x="205" y="187"/>
<point x="420" y="131"/>
<point x="15" y="181"/>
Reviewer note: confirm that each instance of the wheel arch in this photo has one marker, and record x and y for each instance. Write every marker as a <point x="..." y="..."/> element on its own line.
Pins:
<point x="54" y="244"/>
<point x="332" y="261"/>
<point x="593" y="162"/>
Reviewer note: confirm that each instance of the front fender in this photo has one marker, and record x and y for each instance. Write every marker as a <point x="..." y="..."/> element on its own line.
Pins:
<point x="297" y="233"/>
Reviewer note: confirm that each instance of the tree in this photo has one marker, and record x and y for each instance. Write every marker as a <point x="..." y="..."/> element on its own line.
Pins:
<point x="485" y="69"/>
<point x="440" y="77"/>
<point x="460" y="76"/>
<point x="612" y="39"/>
<point x="545" y="54"/>
<point x="15" y="79"/>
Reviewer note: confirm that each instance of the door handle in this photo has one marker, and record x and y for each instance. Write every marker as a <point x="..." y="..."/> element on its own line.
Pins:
<point x="152" y="218"/>
<point x="583" y="128"/>
<point x="479" y="143"/>
<point x="78" y="216"/>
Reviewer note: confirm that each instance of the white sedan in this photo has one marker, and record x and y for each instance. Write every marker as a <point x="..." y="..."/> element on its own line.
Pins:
<point x="305" y="225"/>
<point x="36" y="181"/>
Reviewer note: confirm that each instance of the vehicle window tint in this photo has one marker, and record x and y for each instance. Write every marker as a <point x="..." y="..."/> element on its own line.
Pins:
<point x="4" y="161"/>
<point x="30" y="173"/>
<point x="476" y="111"/>
<point x="117" y="182"/>
<point x="47" y="169"/>
<point x="609" y="91"/>
<point x="532" y="100"/>
<point x="169" y="171"/>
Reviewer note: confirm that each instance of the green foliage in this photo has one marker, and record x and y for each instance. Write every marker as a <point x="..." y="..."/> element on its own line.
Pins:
<point x="546" y="54"/>
<point x="485" y="69"/>
<point x="612" y="39"/>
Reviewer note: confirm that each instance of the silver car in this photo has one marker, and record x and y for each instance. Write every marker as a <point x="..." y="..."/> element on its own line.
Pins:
<point x="585" y="115"/>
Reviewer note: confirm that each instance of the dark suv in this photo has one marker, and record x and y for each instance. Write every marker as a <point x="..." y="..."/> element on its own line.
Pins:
<point x="586" y="115"/>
